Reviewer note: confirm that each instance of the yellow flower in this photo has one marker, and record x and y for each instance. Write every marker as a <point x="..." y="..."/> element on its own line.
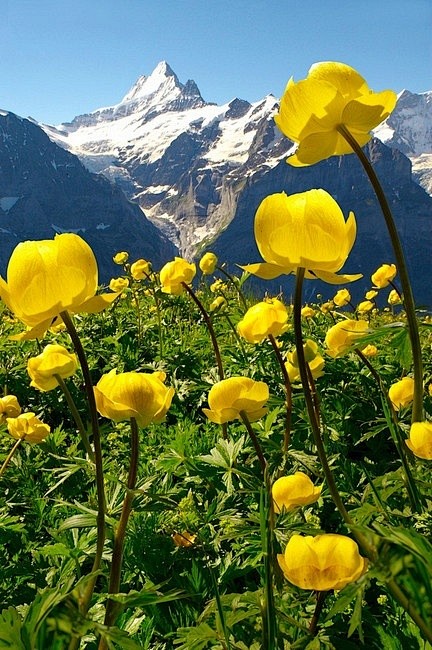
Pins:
<point x="316" y="367"/>
<point x="118" y="284"/>
<point x="383" y="276"/>
<point x="307" y="312"/>
<point x="370" y="295"/>
<point x="420" y="439"/>
<point x="140" y="269"/>
<point x="370" y="351"/>
<point x="323" y="562"/>
<point x="174" y="273"/>
<point x="293" y="491"/>
<point x="332" y="95"/>
<point x="263" y="319"/>
<point x="326" y="307"/>
<point x="342" y="298"/>
<point x="343" y="335"/>
<point x="394" y="298"/>
<point x="121" y="258"/>
<point x="365" y="306"/>
<point x="402" y="393"/>
<point x="9" y="407"/>
<point x="28" y="427"/>
<point x="303" y="230"/>
<point x="217" y="285"/>
<point x="184" y="539"/>
<point x="230" y="396"/>
<point x="218" y="304"/>
<point x="49" y="276"/>
<point x="54" y="360"/>
<point x="136" y="395"/>
<point x="208" y="263"/>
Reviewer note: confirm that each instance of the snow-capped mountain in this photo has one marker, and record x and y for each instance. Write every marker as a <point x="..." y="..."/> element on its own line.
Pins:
<point x="176" y="155"/>
<point x="409" y="129"/>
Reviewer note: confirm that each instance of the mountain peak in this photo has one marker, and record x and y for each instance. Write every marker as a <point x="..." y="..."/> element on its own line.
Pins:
<point x="145" y="86"/>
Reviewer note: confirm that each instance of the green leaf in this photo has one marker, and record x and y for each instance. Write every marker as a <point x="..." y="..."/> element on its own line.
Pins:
<point x="10" y="630"/>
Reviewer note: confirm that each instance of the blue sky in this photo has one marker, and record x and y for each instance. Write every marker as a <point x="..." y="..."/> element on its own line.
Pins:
<point x="61" y="58"/>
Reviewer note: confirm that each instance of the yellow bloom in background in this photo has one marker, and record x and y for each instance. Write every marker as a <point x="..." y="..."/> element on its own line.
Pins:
<point x="174" y="273"/>
<point x="326" y="307"/>
<point x="420" y="439"/>
<point x="312" y="357"/>
<point x="118" y="284"/>
<point x="140" y="269"/>
<point x="230" y="396"/>
<point x="138" y="395"/>
<point x="343" y="335"/>
<point x="208" y="263"/>
<point x="49" y="276"/>
<point x="28" y="427"/>
<point x="184" y="539"/>
<point x="342" y="298"/>
<point x="370" y="351"/>
<point x="121" y="258"/>
<point x="293" y="491"/>
<point x="333" y="94"/>
<point x="9" y="407"/>
<point x="394" y="298"/>
<point x="218" y="304"/>
<point x="307" y="312"/>
<point x="303" y="230"/>
<point x="263" y="319"/>
<point x="383" y="275"/>
<point x="54" y="360"/>
<point x="402" y="393"/>
<point x="365" y="306"/>
<point x="370" y="295"/>
<point x="217" y="285"/>
<point x="323" y="562"/>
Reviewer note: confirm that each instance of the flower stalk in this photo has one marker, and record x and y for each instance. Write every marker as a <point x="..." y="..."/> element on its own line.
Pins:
<point x="288" y="392"/>
<point x="76" y="416"/>
<point x="10" y="455"/>
<point x="417" y="409"/>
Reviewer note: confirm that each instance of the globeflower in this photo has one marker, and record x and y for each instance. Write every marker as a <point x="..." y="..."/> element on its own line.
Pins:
<point x="290" y="492"/>
<point x="420" y="440"/>
<point x="142" y="396"/>
<point x="307" y="312"/>
<point x="230" y="396"/>
<point x="343" y="335"/>
<point x="394" y="298"/>
<point x="333" y="95"/>
<point x="263" y="319"/>
<point x="174" y="274"/>
<point x="312" y="357"/>
<point x="118" y="284"/>
<point x="365" y="306"/>
<point x="218" y="304"/>
<point x="9" y="407"/>
<point x="370" y="295"/>
<point x="140" y="269"/>
<point x="53" y="360"/>
<point x="342" y="298"/>
<point x="401" y="393"/>
<point x="46" y="277"/>
<point x="27" y="427"/>
<point x="208" y="263"/>
<point x="121" y="258"/>
<point x="383" y="275"/>
<point x="303" y="230"/>
<point x="323" y="562"/>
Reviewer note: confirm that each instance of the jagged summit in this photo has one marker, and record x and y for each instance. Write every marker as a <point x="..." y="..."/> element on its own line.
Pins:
<point x="144" y="86"/>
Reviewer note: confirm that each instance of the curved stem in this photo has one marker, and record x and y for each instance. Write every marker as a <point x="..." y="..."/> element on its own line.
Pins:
<point x="100" y="488"/>
<point x="210" y="328"/>
<point x="10" y="455"/>
<point x="255" y="441"/>
<point x="417" y="409"/>
<point x="288" y="391"/>
<point x="117" y="556"/>
<point x="76" y="416"/>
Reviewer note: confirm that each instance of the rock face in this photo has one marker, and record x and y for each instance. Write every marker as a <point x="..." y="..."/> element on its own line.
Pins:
<point x="46" y="190"/>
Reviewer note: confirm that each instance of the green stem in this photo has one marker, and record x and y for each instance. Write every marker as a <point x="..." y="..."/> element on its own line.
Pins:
<point x="288" y="392"/>
<point x="309" y="400"/>
<point x="417" y="408"/>
<point x="76" y="416"/>
<point x="210" y="328"/>
<point x="255" y="440"/>
<point x="100" y="488"/>
<point x="120" y="534"/>
<point x="270" y="630"/>
<point x="10" y="455"/>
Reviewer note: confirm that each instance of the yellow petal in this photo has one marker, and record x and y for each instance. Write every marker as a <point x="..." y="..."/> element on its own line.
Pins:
<point x="265" y="271"/>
